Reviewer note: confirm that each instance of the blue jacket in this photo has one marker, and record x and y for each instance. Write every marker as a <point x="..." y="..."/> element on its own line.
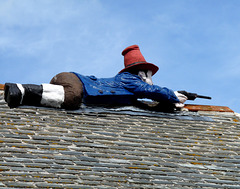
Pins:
<point x="123" y="89"/>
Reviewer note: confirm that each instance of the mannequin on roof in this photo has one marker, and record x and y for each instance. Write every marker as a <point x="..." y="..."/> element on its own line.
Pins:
<point x="69" y="89"/>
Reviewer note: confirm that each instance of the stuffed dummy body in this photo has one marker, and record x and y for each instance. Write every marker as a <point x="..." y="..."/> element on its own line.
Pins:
<point x="69" y="89"/>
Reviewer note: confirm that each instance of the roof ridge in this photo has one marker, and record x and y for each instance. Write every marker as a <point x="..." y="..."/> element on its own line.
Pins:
<point x="190" y="107"/>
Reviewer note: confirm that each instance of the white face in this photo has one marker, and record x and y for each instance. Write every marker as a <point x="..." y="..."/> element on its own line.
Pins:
<point x="146" y="76"/>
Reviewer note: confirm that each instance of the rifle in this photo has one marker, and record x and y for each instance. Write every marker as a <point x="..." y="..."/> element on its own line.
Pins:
<point x="193" y="96"/>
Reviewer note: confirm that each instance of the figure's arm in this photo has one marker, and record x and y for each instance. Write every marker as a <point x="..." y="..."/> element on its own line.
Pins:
<point x="134" y="84"/>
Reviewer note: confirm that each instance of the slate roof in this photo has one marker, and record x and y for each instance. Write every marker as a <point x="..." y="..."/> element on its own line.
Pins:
<point x="48" y="148"/>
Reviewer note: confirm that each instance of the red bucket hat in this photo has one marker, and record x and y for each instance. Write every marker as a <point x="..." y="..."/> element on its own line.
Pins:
<point x="134" y="60"/>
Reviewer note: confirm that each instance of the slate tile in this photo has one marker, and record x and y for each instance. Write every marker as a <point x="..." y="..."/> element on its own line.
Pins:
<point x="48" y="185"/>
<point x="68" y="176"/>
<point x="11" y="164"/>
<point x="73" y="153"/>
<point x="231" y="186"/>
<point x="77" y="186"/>
<point x="162" y="182"/>
<point x="16" y="136"/>
<point x="14" y="174"/>
<point x="19" y="184"/>
<point x="22" y="160"/>
<point x="209" y="185"/>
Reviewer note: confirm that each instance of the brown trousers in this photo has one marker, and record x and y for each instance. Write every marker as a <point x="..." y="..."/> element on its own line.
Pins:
<point x="73" y="89"/>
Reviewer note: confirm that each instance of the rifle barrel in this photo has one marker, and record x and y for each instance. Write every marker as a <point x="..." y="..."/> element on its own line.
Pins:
<point x="206" y="97"/>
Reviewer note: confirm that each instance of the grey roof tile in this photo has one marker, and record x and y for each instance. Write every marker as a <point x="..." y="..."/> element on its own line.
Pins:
<point x="117" y="148"/>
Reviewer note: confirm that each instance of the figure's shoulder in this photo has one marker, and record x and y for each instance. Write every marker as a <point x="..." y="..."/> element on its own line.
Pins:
<point x="126" y="75"/>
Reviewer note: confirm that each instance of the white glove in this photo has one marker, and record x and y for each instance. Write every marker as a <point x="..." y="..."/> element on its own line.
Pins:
<point x="179" y="105"/>
<point x="182" y="98"/>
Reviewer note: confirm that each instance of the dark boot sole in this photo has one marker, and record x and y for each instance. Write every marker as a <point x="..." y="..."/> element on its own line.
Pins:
<point x="12" y="95"/>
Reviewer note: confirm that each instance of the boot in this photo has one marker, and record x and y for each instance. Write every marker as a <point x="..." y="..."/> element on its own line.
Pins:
<point x="34" y="95"/>
<point x="12" y="95"/>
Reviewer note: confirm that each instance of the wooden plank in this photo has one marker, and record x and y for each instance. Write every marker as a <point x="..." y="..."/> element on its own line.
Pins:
<point x="1" y="86"/>
<point x="195" y="108"/>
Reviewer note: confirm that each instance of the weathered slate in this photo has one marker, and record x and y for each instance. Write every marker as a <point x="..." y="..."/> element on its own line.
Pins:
<point x="48" y="148"/>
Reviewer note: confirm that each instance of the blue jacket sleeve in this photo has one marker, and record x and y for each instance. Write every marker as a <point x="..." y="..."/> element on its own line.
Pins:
<point x="134" y="84"/>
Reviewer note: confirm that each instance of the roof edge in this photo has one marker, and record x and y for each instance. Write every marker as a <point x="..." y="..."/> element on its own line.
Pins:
<point x="195" y="108"/>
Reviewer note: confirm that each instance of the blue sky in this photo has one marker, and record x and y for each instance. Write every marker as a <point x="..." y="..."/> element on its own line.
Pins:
<point x="195" y="43"/>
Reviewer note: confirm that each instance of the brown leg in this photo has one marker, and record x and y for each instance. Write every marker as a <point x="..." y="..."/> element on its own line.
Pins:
<point x="73" y="89"/>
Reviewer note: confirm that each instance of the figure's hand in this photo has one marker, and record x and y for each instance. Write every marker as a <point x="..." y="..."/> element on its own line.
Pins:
<point x="182" y="98"/>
